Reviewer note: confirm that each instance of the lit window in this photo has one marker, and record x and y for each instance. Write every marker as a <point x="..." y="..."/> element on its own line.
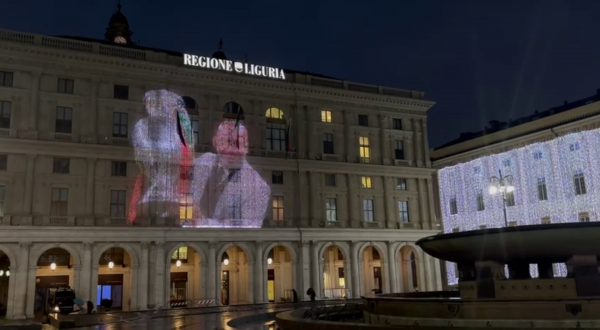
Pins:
<point x="118" y="168"/>
<point x="276" y="135"/>
<point x="368" y="211"/>
<point x="328" y="143"/>
<point x="277" y="177"/>
<point x="65" y="86"/>
<point x="541" y="188"/>
<point x="6" y="79"/>
<point x="61" y="165"/>
<point x="117" y="203"/>
<point x="364" y="149"/>
<point x="326" y="116"/>
<point x="331" y="209"/>
<point x="579" y="181"/>
<point x="453" y="206"/>
<point x="584" y="217"/>
<point x="366" y="182"/>
<point x="120" y="124"/>
<point x="403" y="211"/>
<point x="278" y="208"/>
<point x="397" y="123"/>
<point x="330" y="180"/>
<point x="401" y="184"/>
<point x="121" y="92"/>
<point x="480" y="203"/>
<point x="186" y="210"/>
<point x="64" y="120"/>
<point x="274" y="113"/>
<point x="5" y="111"/>
<point x="59" y="202"/>
<point x="181" y="253"/>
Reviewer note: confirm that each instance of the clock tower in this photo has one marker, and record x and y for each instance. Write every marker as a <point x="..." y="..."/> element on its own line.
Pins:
<point x="118" y="30"/>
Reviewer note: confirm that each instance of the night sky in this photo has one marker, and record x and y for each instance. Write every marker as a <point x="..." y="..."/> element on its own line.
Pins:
<point x="478" y="60"/>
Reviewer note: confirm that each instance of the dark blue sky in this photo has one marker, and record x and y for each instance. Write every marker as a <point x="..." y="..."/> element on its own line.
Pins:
<point x="479" y="60"/>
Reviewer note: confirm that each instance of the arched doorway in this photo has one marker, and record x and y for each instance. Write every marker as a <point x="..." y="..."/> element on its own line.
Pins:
<point x="410" y="269"/>
<point x="185" y="283"/>
<point x="334" y="273"/>
<point x="115" y="280"/>
<point x="4" y="282"/>
<point x="279" y="275"/>
<point x="235" y="277"/>
<point x="372" y="271"/>
<point x="54" y="273"/>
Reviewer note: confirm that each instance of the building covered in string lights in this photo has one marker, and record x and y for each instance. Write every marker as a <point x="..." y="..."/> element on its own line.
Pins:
<point x="144" y="178"/>
<point x="551" y="158"/>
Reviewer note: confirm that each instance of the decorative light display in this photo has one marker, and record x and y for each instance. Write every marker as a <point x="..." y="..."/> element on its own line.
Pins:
<point x="226" y="191"/>
<point x="553" y="164"/>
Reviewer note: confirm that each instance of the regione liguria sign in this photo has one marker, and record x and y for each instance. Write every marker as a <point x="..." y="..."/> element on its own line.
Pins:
<point x="233" y="66"/>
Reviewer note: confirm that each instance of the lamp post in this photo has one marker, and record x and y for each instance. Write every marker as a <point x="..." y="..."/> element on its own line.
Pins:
<point x="502" y="185"/>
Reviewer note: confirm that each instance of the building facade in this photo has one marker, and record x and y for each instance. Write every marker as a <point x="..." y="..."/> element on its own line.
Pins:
<point x="347" y="166"/>
<point x="548" y="158"/>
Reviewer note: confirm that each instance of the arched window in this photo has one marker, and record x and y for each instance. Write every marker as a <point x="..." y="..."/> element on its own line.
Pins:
<point x="233" y="110"/>
<point x="277" y="130"/>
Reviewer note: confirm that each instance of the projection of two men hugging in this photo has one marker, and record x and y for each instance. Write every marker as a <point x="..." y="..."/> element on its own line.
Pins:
<point x="174" y="186"/>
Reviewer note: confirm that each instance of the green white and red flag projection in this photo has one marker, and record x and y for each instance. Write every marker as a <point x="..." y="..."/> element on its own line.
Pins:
<point x="218" y="189"/>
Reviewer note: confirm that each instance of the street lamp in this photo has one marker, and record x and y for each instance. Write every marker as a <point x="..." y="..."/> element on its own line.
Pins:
<point x="502" y="185"/>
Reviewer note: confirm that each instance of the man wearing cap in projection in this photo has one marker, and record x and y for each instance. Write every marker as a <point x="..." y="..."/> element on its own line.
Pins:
<point x="227" y="191"/>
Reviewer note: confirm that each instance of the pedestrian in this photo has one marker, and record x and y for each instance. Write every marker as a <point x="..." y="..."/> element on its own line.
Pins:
<point x="311" y="293"/>
<point x="294" y="296"/>
<point x="90" y="307"/>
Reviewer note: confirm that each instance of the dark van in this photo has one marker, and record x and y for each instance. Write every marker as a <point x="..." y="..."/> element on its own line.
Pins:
<point x="63" y="298"/>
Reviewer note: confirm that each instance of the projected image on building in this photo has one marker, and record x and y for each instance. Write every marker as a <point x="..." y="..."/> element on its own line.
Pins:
<point x="177" y="187"/>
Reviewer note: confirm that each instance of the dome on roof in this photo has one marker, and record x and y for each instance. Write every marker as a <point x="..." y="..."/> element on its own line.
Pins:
<point x="118" y="30"/>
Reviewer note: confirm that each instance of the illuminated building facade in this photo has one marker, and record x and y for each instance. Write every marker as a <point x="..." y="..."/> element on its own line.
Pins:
<point x="107" y="191"/>
<point x="551" y="158"/>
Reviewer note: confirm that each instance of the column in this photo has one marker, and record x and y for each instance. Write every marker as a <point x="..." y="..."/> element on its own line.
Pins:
<point x="418" y="144"/>
<point x="303" y="270"/>
<point x="300" y="131"/>
<point x="260" y="295"/>
<point x="303" y="205"/>
<point x="421" y="270"/>
<point x="354" y="216"/>
<point x="424" y="216"/>
<point x="212" y="273"/>
<point x="315" y="205"/>
<point x="425" y="142"/>
<point x="85" y="274"/>
<point x="312" y="138"/>
<point x="35" y="103"/>
<point x="28" y="196"/>
<point x="391" y="268"/>
<point x="316" y="269"/>
<point x="160" y="276"/>
<point x="399" y="262"/>
<point x="355" y="265"/>
<point x="348" y="137"/>
<point x="384" y="141"/>
<point x="438" y="274"/>
<point x="142" y="277"/>
<point x="89" y="190"/>
<point x="388" y="202"/>
<point x="18" y="284"/>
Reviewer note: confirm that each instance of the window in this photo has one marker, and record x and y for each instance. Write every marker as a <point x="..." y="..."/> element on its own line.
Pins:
<point x="396" y="123"/>
<point x="584" y="217"/>
<point x="368" y="212"/>
<point x="401" y="184"/>
<point x="506" y="162"/>
<point x="6" y="79"/>
<point x="65" y="85"/>
<point x="276" y="138"/>
<point x="120" y="124"/>
<point x="366" y="182"/>
<point x="117" y="203"/>
<point x="233" y="110"/>
<point x="546" y="220"/>
<point x="278" y="208"/>
<point x="3" y="162"/>
<point x="579" y="181"/>
<point x="64" y="120"/>
<point x="453" y="206"/>
<point x="5" y="109"/>
<point x="330" y="180"/>
<point x="186" y="210"/>
<point x="331" y="209"/>
<point x="118" y="168"/>
<point x="196" y="130"/>
<point x="277" y="177"/>
<point x="326" y="116"/>
<point x="363" y="120"/>
<point x="399" y="150"/>
<point x="59" y="202"/>
<point x="181" y="254"/>
<point x="480" y="203"/>
<point x="364" y="149"/>
<point x="121" y="92"/>
<point x="61" y="165"/>
<point x="510" y="198"/>
<point x="541" y="188"/>
<point x="403" y="211"/>
<point x="2" y="200"/>
<point x="574" y="146"/>
<point x="328" y="143"/>
<point x="537" y="155"/>
<point x="274" y="113"/>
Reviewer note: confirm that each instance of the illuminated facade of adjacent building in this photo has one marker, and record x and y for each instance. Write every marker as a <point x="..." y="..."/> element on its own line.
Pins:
<point x="93" y="197"/>
<point x="551" y="158"/>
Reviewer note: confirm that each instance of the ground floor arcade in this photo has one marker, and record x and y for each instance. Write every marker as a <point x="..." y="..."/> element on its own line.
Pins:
<point x="141" y="268"/>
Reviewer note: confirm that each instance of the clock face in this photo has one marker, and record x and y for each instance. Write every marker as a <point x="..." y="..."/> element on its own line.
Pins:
<point x="120" y="40"/>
